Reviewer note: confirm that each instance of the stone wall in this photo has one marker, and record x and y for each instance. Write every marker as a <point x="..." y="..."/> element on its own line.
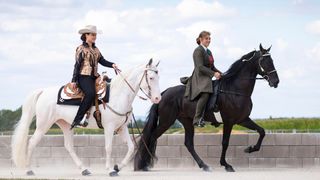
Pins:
<point x="278" y="150"/>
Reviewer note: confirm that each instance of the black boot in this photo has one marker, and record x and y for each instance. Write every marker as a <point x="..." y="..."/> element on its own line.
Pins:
<point x="216" y="108"/>
<point x="200" y="123"/>
<point x="74" y="124"/>
<point x="215" y="123"/>
<point x="82" y="123"/>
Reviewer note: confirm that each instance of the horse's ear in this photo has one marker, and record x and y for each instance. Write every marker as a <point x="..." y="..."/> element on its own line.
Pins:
<point x="150" y="62"/>
<point x="157" y="63"/>
<point x="261" y="48"/>
<point x="269" y="48"/>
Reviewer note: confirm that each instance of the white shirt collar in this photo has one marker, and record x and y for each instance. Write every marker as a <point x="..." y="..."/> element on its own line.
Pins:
<point x="204" y="47"/>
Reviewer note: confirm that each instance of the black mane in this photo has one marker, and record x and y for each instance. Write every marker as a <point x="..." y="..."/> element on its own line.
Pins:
<point x="236" y="66"/>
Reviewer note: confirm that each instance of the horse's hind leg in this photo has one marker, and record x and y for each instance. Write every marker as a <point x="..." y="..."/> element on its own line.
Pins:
<point x="68" y="144"/>
<point x="40" y="131"/>
<point x="188" y="142"/>
<point x="34" y="140"/>
<point x="248" y="123"/>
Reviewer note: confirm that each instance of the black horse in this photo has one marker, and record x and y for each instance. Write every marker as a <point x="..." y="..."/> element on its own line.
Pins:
<point x="234" y="102"/>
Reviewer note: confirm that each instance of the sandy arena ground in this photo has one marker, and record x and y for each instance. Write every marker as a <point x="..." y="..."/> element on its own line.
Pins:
<point x="169" y="174"/>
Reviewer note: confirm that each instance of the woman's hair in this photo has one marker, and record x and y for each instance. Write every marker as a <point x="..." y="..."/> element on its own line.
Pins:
<point x="83" y="37"/>
<point x="201" y="35"/>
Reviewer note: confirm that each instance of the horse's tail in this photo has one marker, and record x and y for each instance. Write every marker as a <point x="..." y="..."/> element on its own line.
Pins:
<point x="20" y="136"/>
<point x="145" y="154"/>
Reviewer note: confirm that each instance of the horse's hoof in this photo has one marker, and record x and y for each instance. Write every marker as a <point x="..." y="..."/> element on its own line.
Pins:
<point x="113" y="174"/>
<point x="145" y="169"/>
<point x="86" y="172"/>
<point x="30" y="173"/>
<point x="207" y="169"/>
<point x="230" y="169"/>
<point x="116" y="168"/>
<point x="249" y="149"/>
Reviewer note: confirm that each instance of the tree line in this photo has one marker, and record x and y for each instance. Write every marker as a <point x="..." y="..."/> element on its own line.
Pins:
<point x="8" y="119"/>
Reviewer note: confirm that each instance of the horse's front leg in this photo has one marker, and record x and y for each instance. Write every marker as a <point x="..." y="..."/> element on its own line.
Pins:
<point x="225" y="143"/>
<point x="108" y="136"/>
<point x="124" y="133"/>
<point x="253" y="126"/>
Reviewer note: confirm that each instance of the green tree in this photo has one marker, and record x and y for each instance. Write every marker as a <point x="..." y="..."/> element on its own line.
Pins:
<point x="9" y="118"/>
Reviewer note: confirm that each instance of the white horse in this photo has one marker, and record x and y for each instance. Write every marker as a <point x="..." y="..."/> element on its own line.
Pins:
<point x="43" y="104"/>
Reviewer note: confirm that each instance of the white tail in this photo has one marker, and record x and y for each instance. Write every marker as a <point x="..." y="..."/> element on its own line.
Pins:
<point x="20" y="136"/>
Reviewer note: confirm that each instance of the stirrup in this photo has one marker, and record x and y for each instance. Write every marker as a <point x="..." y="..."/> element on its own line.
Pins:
<point x="84" y="122"/>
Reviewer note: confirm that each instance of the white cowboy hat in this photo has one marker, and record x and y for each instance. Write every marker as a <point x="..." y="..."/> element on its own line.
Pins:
<point x="89" y="29"/>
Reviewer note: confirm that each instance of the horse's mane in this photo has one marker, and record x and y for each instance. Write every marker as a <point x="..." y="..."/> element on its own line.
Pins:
<point x="118" y="81"/>
<point x="236" y="66"/>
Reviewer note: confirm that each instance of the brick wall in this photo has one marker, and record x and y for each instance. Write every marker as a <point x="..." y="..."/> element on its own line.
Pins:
<point x="278" y="150"/>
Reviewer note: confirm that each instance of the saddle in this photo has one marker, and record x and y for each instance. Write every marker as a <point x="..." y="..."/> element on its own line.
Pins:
<point x="68" y="92"/>
<point x="212" y="101"/>
<point x="73" y="96"/>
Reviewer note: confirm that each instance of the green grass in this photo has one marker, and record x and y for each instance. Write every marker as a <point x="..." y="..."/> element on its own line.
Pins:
<point x="288" y="124"/>
<point x="272" y="124"/>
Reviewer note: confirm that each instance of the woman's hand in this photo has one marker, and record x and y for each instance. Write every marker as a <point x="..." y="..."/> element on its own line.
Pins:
<point x="74" y="85"/>
<point x="115" y="66"/>
<point x="217" y="75"/>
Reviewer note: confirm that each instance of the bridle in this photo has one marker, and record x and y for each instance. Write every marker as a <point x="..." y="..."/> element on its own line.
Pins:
<point x="145" y="74"/>
<point x="264" y="72"/>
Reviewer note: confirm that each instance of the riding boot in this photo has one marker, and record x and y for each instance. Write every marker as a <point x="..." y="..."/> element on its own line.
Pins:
<point x="83" y="123"/>
<point x="215" y="123"/>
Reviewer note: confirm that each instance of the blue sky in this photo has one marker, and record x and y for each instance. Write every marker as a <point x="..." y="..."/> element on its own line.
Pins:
<point x="39" y="38"/>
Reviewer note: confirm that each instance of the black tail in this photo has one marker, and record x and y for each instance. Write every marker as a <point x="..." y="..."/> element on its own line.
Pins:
<point x="144" y="157"/>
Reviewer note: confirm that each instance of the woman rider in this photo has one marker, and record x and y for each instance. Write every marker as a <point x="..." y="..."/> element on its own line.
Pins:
<point x="200" y="83"/>
<point x="86" y="70"/>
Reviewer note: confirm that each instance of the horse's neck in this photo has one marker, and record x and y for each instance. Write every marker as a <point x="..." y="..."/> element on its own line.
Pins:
<point x="121" y="95"/>
<point x="244" y="81"/>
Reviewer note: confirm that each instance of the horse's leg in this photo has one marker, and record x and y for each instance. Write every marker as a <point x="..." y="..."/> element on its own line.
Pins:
<point x="43" y="123"/>
<point x="188" y="142"/>
<point x="108" y="135"/>
<point x="164" y="124"/>
<point x="34" y="140"/>
<point x="248" y="123"/>
<point x="124" y="133"/>
<point x="68" y="144"/>
<point x="225" y="143"/>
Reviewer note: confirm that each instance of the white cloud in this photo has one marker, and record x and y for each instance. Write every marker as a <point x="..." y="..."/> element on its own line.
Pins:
<point x="314" y="53"/>
<point x="297" y="2"/>
<point x="192" y="31"/>
<point x="313" y="27"/>
<point x="292" y="73"/>
<point x="235" y="52"/>
<point x="281" y="44"/>
<point x="199" y="8"/>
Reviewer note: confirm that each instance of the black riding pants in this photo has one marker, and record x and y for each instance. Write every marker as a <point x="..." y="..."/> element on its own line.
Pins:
<point x="87" y="85"/>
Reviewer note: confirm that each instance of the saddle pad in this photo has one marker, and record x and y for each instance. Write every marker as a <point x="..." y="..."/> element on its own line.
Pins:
<point x="76" y="102"/>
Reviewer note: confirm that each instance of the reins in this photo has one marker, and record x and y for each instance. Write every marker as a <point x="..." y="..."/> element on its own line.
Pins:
<point x="118" y="71"/>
